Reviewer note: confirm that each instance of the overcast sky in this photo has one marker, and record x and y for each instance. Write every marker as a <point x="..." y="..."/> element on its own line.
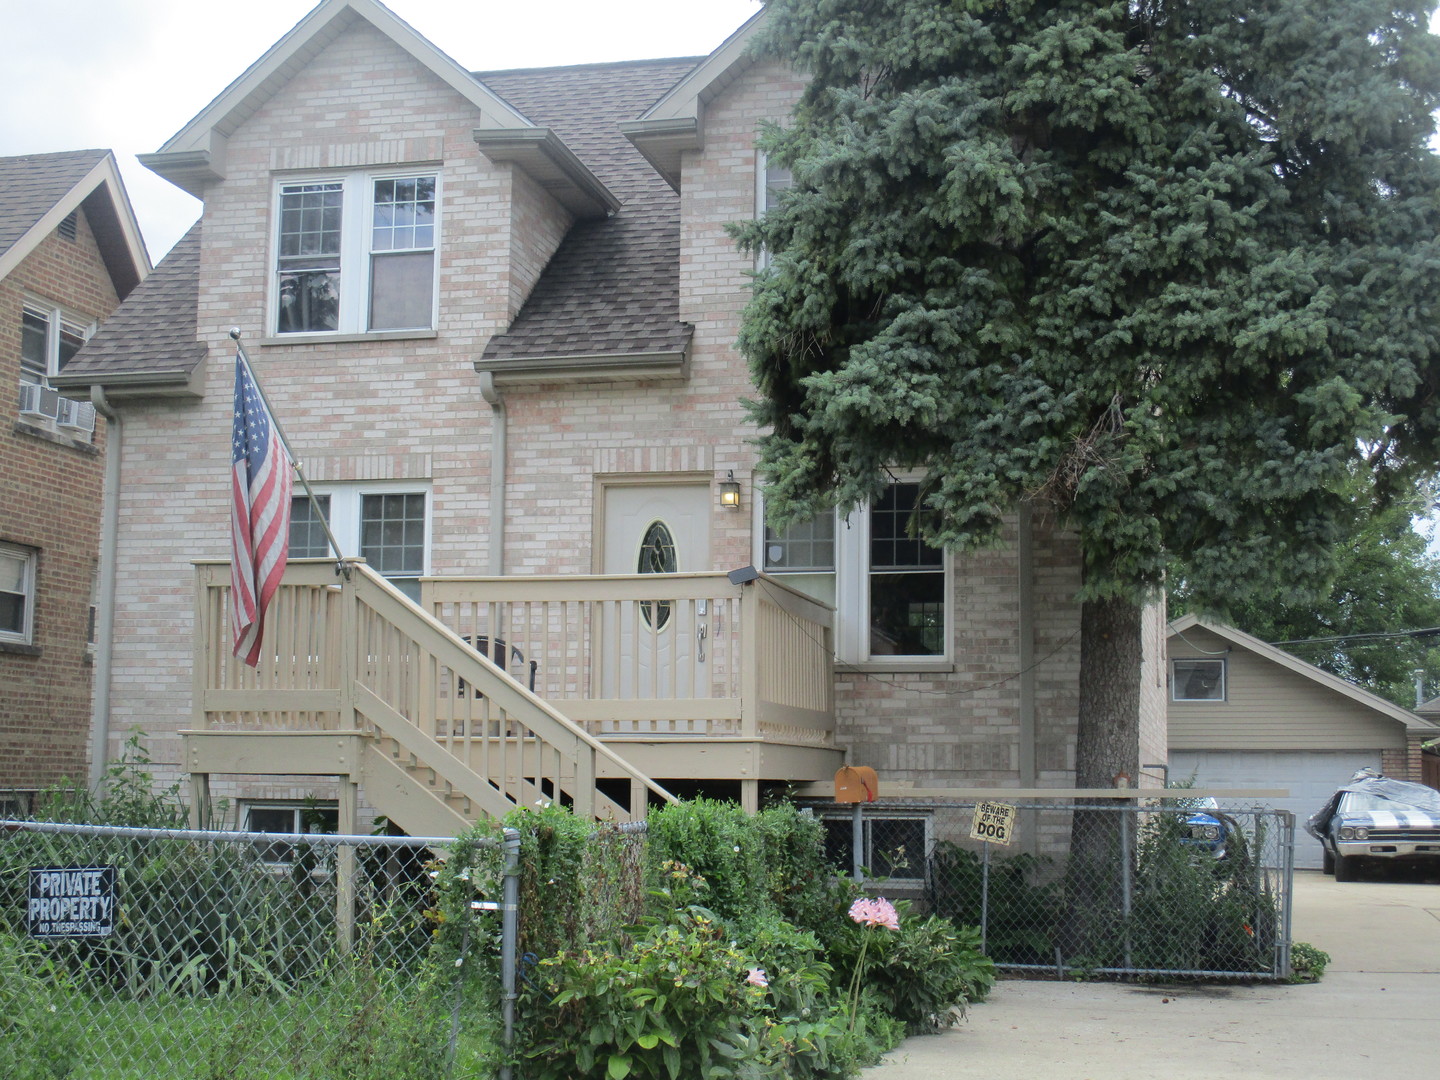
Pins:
<point x="125" y="75"/>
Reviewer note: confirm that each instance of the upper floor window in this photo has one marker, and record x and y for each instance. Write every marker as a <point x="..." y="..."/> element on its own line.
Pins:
<point x="50" y="336"/>
<point x="890" y="588"/>
<point x="386" y="526"/>
<point x="17" y="593"/>
<point x="1197" y="680"/>
<point x="770" y="182"/>
<point x="356" y="253"/>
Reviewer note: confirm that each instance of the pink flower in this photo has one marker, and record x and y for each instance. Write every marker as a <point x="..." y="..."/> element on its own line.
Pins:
<point x="877" y="912"/>
<point x="757" y="977"/>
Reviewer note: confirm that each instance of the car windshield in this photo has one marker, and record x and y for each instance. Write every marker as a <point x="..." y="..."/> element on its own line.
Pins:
<point x="1356" y="801"/>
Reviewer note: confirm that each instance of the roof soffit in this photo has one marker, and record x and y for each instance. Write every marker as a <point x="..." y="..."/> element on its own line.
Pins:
<point x="676" y="122"/>
<point x="541" y="153"/>
<point x="112" y="219"/>
<point x="1300" y="667"/>
<point x="194" y="155"/>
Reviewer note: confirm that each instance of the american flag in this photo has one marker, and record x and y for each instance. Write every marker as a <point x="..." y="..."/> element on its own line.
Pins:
<point x="259" y="514"/>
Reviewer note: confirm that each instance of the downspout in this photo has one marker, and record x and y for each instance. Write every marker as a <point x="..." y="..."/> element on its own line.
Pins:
<point x="491" y="394"/>
<point x="105" y="602"/>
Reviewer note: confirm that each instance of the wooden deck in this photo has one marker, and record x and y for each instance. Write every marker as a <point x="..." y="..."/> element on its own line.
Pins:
<point x="431" y="708"/>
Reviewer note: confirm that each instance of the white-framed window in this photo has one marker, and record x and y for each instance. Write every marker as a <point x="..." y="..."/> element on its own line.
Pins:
<point x="891" y="590"/>
<point x="770" y="181"/>
<point x="17" y="594"/>
<point x="897" y="847"/>
<point x="288" y="817"/>
<point x="1197" y="680"/>
<point x="388" y="525"/>
<point x="356" y="253"/>
<point x="50" y="336"/>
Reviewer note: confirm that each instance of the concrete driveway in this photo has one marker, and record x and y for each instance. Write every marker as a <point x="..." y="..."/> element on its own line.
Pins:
<point x="1373" y="1016"/>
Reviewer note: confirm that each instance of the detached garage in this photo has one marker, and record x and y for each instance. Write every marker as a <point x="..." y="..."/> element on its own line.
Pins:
<point x="1243" y="713"/>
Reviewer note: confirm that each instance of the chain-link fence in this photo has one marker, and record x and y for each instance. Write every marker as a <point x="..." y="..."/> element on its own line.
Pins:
<point x="157" y="954"/>
<point x="1182" y="887"/>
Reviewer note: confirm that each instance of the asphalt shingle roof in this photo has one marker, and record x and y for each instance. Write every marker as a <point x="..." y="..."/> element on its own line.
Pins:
<point x="155" y="329"/>
<point x="612" y="287"/>
<point x="33" y="183"/>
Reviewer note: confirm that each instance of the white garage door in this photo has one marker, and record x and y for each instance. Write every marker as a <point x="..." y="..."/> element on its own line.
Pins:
<point x="1311" y="776"/>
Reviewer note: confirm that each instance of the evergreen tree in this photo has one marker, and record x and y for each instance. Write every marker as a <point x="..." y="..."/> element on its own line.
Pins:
<point x="1166" y="268"/>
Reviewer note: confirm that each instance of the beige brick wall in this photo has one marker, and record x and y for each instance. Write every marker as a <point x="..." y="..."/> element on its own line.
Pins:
<point x="412" y="409"/>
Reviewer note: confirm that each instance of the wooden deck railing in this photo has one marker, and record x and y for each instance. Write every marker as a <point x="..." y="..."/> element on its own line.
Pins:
<point x="585" y="661"/>
<point x="647" y="656"/>
<point x="352" y="654"/>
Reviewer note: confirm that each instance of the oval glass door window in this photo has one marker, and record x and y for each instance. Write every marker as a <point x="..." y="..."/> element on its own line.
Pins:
<point x="657" y="556"/>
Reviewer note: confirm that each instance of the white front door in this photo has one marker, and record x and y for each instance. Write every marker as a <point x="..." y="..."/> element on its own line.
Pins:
<point x="655" y="649"/>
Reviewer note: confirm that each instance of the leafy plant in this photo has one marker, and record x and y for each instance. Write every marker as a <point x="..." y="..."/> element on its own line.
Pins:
<point x="1307" y="963"/>
<point x="674" y="1004"/>
<point x="925" y="973"/>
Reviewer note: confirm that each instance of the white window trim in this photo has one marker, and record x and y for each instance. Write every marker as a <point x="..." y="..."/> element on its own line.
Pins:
<point x="762" y="202"/>
<point x="29" y="557"/>
<point x="852" y="594"/>
<point x="346" y="503"/>
<point x="355" y="254"/>
<point x="56" y="317"/>
<point x="1224" y="694"/>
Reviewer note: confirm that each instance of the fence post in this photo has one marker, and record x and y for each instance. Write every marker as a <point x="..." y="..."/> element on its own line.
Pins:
<point x="1126" y="872"/>
<point x="984" y="892"/>
<point x="509" y="944"/>
<point x="345" y="864"/>
<point x="1287" y="882"/>
<point x="857" y="844"/>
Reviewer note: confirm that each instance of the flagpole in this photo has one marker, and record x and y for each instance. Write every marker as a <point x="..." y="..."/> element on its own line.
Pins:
<point x="340" y="564"/>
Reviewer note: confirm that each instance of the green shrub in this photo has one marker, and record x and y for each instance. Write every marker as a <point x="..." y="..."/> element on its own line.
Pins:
<point x="1192" y="911"/>
<point x="674" y="1004"/>
<point x="717" y="842"/>
<point x="1024" y="907"/>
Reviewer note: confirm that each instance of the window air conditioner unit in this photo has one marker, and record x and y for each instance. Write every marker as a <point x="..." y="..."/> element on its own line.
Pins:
<point x="37" y="400"/>
<point x="79" y="415"/>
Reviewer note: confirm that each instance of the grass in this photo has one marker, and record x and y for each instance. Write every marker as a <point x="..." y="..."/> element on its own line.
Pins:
<point x="314" y="1034"/>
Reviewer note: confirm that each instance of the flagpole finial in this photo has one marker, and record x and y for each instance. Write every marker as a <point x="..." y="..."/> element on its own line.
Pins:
<point x="235" y="332"/>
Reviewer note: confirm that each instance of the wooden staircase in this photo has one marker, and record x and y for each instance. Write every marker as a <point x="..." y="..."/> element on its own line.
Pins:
<point x="358" y="683"/>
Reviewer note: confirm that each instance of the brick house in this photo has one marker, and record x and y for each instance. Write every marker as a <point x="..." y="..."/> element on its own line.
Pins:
<point x="495" y="312"/>
<point x="70" y="251"/>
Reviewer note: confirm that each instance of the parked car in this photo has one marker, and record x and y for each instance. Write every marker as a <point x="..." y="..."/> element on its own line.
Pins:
<point x="1204" y="827"/>
<point x="1375" y="818"/>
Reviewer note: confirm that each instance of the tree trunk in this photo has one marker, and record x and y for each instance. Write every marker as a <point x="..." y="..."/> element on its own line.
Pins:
<point x="1107" y="745"/>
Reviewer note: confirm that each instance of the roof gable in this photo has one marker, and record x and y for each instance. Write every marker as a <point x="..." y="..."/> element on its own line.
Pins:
<point x="1309" y="671"/>
<point x="675" y="122"/>
<point x="38" y="191"/>
<point x="195" y="155"/>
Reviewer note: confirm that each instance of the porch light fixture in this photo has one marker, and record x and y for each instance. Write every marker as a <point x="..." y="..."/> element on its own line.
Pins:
<point x="730" y="491"/>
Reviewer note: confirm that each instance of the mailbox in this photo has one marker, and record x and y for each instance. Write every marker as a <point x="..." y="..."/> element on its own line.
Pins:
<point x="856" y="784"/>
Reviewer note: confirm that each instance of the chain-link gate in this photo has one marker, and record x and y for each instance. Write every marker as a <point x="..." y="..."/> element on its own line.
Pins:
<point x="157" y="954"/>
<point x="1182" y="887"/>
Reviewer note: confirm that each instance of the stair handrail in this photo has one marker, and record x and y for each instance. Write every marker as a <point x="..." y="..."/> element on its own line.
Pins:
<point x="367" y="586"/>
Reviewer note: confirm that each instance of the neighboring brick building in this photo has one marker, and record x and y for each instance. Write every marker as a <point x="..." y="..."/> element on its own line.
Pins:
<point x="69" y="253"/>
<point x="543" y="374"/>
